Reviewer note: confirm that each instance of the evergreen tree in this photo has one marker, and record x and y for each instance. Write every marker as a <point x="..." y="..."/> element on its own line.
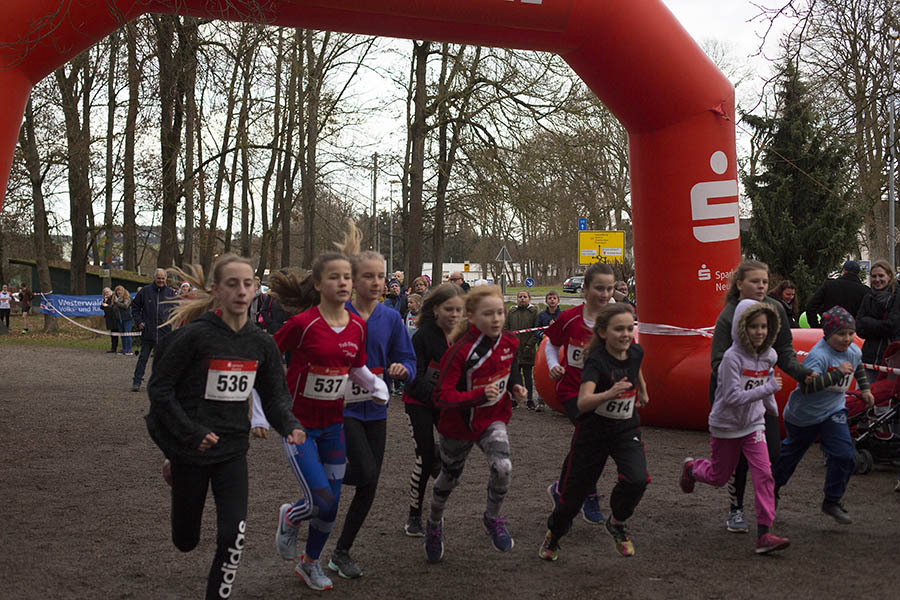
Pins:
<point x="804" y="223"/>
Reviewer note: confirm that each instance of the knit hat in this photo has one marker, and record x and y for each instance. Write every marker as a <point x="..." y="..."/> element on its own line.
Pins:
<point x="836" y="318"/>
<point x="851" y="266"/>
<point x="393" y="281"/>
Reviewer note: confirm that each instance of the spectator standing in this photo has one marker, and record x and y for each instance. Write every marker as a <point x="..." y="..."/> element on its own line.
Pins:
<point x="414" y="302"/>
<point x="395" y="298"/>
<point x="5" y="298"/>
<point x="847" y="291"/>
<point x="545" y="318"/>
<point x="150" y="309"/>
<point x="420" y="286"/>
<point x="878" y="319"/>
<point x="112" y="319"/>
<point x="456" y="277"/>
<point x="786" y="293"/>
<point x="621" y="295"/>
<point x="25" y="298"/>
<point x="122" y="303"/>
<point x="523" y="316"/>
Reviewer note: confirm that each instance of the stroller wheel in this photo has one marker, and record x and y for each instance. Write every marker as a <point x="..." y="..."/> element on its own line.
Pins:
<point x="865" y="462"/>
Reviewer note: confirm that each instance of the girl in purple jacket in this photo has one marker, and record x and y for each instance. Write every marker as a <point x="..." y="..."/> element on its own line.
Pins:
<point x="746" y="389"/>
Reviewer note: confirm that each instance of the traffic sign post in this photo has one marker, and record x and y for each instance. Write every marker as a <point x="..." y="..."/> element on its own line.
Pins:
<point x="504" y="257"/>
<point x="529" y="282"/>
<point x="601" y="246"/>
<point x="582" y="224"/>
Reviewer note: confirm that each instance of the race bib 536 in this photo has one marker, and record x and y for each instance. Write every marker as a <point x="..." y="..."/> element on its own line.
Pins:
<point x="230" y="380"/>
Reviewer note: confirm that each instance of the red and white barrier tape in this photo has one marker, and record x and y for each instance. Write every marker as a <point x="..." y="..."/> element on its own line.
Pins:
<point x="658" y="329"/>
<point x="46" y="304"/>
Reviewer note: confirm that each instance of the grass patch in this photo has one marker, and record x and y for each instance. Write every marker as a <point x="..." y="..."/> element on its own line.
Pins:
<point x="67" y="335"/>
<point x="539" y="291"/>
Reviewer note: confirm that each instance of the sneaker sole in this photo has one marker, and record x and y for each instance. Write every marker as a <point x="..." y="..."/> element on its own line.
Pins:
<point x="736" y="529"/>
<point x="585" y="517"/>
<point x="774" y="548"/>
<point x="547" y="557"/>
<point x="839" y="521"/>
<point x="299" y="573"/>
<point x="552" y="497"/>
<point x="333" y="566"/>
<point x="281" y="513"/>
<point x="512" y="543"/>
<point x="414" y="533"/>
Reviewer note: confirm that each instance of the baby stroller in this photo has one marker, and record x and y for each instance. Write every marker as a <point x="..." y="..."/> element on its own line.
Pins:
<point x="876" y="431"/>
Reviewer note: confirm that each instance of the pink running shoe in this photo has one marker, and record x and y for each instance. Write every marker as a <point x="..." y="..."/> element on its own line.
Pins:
<point x="770" y="542"/>
<point x="687" y="475"/>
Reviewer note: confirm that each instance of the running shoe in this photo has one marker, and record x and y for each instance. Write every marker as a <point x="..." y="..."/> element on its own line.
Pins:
<point x="530" y="405"/>
<point x="286" y="535"/>
<point x="590" y="510"/>
<point x="539" y="407"/>
<point x="167" y="471"/>
<point x="413" y="527"/>
<point x="769" y="542"/>
<point x="497" y="529"/>
<point x="343" y="565"/>
<point x="553" y="492"/>
<point x="434" y="541"/>
<point x="736" y="522"/>
<point x="620" y="535"/>
<point x="549" y="550"/>
<point x="687" y="475"/>
<point x="135" y="387"/>
<point x="311" y="572"/>
<point x="836" y="511"/>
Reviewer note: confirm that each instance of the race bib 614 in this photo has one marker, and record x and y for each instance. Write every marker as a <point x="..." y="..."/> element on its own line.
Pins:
<point x="619" y="408"/>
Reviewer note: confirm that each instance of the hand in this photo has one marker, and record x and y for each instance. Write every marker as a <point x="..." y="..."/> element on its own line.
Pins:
<point x="140" y="326"/>
<point x="845" y="368"/>
<point x="809" y="378"/>
<point x="557" y="372"/>
<point x="778" y="381"/>
<point x="643" y="399"/>
<point x="398" y="371"/>
<point x="260" y="433"/>
<point x="297" y="437"/>
<point x="208" y="442"/>
<point x="491" y="392"/>
<point x="622" y="385"/>
<point x="520" y="394"/>
<point x="868" y="398"/>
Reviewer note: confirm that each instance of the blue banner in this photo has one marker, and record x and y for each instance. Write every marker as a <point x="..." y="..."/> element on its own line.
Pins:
<point x="73" y="306"/>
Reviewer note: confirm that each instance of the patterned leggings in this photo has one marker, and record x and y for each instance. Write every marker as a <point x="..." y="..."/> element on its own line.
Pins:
<point x="494" y="442"/>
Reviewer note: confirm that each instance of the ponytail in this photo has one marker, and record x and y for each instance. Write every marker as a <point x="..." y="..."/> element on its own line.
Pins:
<point x="295" y="290"/>
<point x="351" y="247"/>
<point x="201" y="300"/>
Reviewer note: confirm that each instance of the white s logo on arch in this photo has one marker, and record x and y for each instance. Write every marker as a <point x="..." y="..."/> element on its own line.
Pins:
<point x="727" y="225"/>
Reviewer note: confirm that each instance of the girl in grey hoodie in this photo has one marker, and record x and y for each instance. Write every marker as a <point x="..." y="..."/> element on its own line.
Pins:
<point x="745" y="393"/>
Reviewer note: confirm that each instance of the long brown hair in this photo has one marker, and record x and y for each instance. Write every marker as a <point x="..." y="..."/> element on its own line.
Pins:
<point x="295" y="290"/>
<point x="351" y="247"/>
<point x="739" y="274"/>
<point x="435" y="298"/>
<point x="886" y="266"/>
<point x="473" y="299"/>
<point x="595" y="269"/>
<point x="201" y="300"/>
<point x="787" y="284"/>
<point x="602" y="322"/>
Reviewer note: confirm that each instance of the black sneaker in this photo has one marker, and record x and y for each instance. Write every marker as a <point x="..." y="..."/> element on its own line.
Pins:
<point x="530" y="405"/>
<point x="135" y="387"/>
<point x="343" y="565"/>
<point x="413" y="527"/>
<point x="836" y="511"/>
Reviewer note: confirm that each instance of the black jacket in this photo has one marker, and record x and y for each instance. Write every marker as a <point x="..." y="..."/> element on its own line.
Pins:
<point x="181" y="415"/>
<point x="109" y="313"/>
<point x="846" y="291"/>
<point x="429" y="344"/>
<point x="878" y="323"/>
<point x="151" y="307"/>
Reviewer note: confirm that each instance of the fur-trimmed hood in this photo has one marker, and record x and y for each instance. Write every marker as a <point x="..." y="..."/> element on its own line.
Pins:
<point x="746" y="311"/>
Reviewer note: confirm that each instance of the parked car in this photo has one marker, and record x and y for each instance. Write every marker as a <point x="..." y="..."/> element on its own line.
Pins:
<point x="573" y="285"/>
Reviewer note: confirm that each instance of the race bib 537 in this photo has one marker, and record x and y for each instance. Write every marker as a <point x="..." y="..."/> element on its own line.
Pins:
<point x="325" y="383"/>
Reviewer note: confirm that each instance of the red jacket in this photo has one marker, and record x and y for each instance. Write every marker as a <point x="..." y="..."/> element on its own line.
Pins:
<point x="460" y="387"/>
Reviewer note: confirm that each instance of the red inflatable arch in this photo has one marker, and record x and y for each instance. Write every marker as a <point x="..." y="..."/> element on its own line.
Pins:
<point x="675" y="104"/>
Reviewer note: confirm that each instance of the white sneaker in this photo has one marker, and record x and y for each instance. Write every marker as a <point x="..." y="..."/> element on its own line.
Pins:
<point x="286" y="535"/>
<point x="312" y="574"/>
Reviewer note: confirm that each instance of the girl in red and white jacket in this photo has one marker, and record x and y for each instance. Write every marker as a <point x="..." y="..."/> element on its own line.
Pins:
<point x="476" y="375"/>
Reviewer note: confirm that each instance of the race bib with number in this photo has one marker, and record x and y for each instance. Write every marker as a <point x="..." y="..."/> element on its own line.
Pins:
<point x="498" y="379"/>
<point x="575" y="352"/>
<point x="325" y="383"/>
<point x="433" y="373"/>
<point x="843" y="383"/>
<point x="620" y="408"/>
<point x="355" y="393"/>
<point x="230" y="380"/>
<point x="753" y="379"/>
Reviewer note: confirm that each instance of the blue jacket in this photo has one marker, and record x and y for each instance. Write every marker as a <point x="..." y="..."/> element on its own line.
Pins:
<point x="151" y="306"/>
<point x="543" y="319"/>
<point x="387" y="342"/>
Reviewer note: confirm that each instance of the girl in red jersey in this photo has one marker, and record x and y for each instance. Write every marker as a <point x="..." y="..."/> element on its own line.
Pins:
<point x="476" y="374"/>
<point x="607" y="426"/>
<point x="327" y="344"/>
<point x="441" y="312"/>
<point x="572" y="333"/>
<point x="202" y="377"/>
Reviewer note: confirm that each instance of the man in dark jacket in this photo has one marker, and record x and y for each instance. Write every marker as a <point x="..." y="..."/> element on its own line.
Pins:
<point x="150" y="309"/>
<point x="847" y="291"/>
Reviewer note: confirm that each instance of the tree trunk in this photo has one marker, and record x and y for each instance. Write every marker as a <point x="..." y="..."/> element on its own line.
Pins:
<point x="417" y="133"/>
<point x="316" y="70"/>
<point x="129" y="230"/>
<point x="190" y="78"/>
<point x="270" y="170"/>
<point x="110" y="125"/>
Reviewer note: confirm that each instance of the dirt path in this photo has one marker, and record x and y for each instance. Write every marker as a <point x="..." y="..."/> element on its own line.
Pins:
<point x="86" y="514"/>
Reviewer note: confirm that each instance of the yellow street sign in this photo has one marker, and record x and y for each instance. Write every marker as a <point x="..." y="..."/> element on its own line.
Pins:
<point x="601" y="246"/>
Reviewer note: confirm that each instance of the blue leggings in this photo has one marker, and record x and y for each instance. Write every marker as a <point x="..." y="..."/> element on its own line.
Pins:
<point x="319" y="465"/>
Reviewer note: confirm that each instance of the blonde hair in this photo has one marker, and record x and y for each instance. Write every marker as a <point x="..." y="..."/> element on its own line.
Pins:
<point x="118" y="293"/>
<point x="473" y="299"/>
<point x="351" y="247"/>
<point x="189" y="309"/>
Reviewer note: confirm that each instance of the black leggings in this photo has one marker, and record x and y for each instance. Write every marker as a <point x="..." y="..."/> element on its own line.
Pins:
<point x="422" y="421"/>
<point x="365" y="442"/>
<point x="527" y="379"/>
<point x="4" y="316"/>
<point x="229" y="485"/>
<point x="737" y="484"/>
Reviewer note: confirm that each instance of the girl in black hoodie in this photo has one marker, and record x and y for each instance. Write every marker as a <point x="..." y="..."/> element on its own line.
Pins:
<point x="441" y="311"/>
<point x="199" y="392"/>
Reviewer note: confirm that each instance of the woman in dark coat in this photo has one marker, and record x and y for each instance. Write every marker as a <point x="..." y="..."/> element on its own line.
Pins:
<point x="878" y="319"/>
<point x="786" y="293"/>
<point x="112" y="318"/>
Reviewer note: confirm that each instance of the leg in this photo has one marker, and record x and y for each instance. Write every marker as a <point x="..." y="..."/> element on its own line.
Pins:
<point x="421" y="428"/>
<point x="229" y="485"/>
<point x="738" y="484"/>
<point x="365" y="452"/>
<point x="141" y="366"/>
<point x="583" y="466"/>
<point x="333" y="460"/>
<point x="189" y="485"/>
<point x="453" y="460"/>
<point x="724" y="456"/>
<point x="627" y="450"/>
<point x="793" y="447"/>
<point x="126" y="340"/>
<point x="113" y="342"/>
<point x="494" y="442"/>
<point x="838" y="447"/>
<point x="756" y="450"/>
<point x="528" y="381"/>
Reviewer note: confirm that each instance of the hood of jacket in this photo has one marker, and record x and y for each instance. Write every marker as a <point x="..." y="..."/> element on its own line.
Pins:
<point x="746" y="311"/>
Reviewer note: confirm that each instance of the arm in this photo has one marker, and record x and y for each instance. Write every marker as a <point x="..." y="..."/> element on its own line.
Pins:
<point x="643" y="398"/>
<point x="288" y="337"/>
<point x="721" y="340"/>
<point x="589" y="399"/>
<point x="813" y="307"/>
<point x="447" y="395"/>
<point x="275" y="400"/>
<point x="137" y="309"/>
<point x="862" y="382"/>
<point x="868" y="323"/>
<point x="366" y="379"/>
<point x="401" y="356"/>
<point x="820" y="382"/>
<point x="784" y="347"/>
<point x="732" y="394"/>
<point x="420" y="387"/>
